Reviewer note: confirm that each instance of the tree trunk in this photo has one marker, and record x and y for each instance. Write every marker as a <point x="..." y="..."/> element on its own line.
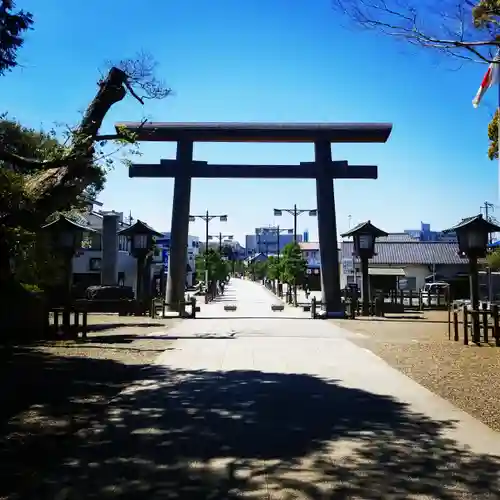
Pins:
<point x="62" y="180"/>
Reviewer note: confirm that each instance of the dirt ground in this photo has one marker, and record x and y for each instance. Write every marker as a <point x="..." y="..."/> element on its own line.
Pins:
<point x="51" y="390"/>
<point x="418" y="345"/>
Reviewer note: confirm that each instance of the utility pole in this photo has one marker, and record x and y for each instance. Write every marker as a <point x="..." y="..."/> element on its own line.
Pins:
<point x="354" y="277"/>
<point x="295" y="212"/>
<point x="207" y="217"/>
<point x="487" y="207"/>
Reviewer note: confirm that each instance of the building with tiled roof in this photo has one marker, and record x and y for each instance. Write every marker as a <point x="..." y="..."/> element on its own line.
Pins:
<point x="411" y="261"/>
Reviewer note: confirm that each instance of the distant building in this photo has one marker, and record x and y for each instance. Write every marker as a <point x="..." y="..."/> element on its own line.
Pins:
<point x="425" y="234"/>
<point x="86" y="263"/>
<point x="192" y="249"/>
<point x="405" y="263"/>
<point x="265" y="240"/>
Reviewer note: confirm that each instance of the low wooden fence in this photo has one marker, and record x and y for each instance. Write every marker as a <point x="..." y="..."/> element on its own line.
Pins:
<point x="399" y="301"/>
<point x="476" y="325"/>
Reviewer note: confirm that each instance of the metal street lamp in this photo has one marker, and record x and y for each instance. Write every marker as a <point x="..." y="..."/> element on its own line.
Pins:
<point x="364" y="236"/>
<point x="221" y="237"/>
<point x="141" y="237"/>
<point x="278" y="212"/>
<point x="207" y="217"/>
<point x="472" y="234"/>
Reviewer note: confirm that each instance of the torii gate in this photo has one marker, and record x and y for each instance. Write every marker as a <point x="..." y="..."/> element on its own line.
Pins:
<point x="323" y="169"/>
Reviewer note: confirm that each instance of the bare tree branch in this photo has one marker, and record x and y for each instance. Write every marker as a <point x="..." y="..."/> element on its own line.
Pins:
<point x="450" y="26"/>
<point x="70" y="174"/>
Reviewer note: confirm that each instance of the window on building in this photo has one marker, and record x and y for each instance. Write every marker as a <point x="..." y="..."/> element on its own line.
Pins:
<point x="408" y="283"/>
<point x="95" y="241"/>
<point x="122" y="243"/>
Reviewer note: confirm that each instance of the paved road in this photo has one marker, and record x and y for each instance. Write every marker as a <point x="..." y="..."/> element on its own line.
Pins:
<point x="279" y="409"/>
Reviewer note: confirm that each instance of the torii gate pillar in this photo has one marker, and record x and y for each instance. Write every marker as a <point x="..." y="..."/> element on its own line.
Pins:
<point x="327" y="231"/>
<point x="179" y="228"/>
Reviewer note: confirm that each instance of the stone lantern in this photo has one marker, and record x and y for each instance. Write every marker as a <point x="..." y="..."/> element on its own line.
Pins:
<point x="141" y="237"/>
<point x="472" y="234"/>
<point x="66" y="237"/>
<point x="364" y="236"/>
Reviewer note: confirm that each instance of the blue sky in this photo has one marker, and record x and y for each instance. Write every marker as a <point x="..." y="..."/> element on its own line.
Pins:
<point x="267" y="61"/>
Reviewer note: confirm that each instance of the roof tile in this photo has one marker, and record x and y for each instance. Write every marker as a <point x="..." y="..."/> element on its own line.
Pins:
<point x="411" y="252"/>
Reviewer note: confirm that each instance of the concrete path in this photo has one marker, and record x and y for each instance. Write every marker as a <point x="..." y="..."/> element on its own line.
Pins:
<point x="266" y="408"/>
<point x="251" y="299"/>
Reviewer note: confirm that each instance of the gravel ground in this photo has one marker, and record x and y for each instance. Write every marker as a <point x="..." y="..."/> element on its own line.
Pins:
<point x="468" y="376"/>
<point x="51" y="390"/>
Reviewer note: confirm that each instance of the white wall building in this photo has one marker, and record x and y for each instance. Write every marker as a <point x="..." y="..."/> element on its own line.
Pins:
<point x="87" y="261"/>
<point x="310" y="252"/>
<point x="193" y="249"/>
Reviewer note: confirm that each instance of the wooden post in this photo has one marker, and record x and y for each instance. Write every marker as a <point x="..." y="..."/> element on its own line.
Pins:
<point x="313" y="308"/>
<point x="193" y="307"/>
<point x="455" y="325"/>
<point x="84" y="324"/>
<point x="56" y="321"/>
<point x="485" y="321"/>
<point x="449" y="322"/>
<point x="496" y="332"/>
<point x="466" y="326"/>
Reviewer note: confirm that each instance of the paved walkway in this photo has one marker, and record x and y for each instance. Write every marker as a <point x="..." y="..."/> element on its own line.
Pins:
<point x="280" y="409"/>
<point x="251" y="299"/>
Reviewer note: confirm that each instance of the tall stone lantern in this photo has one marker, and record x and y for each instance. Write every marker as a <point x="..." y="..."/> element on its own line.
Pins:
<point x="141" y="237"/>
<point x="472" y="234"/>
<point x="66" y="237"/>
<point x="364" y="236"/>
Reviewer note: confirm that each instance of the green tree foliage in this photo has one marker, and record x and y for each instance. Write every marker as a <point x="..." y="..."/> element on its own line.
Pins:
<point x="239" y="266"/>
<point x="31" y="258"/>
<point x="218" y="267"/>
<point x="257" y="270"/>
<point x="293" y="265"/>
<point x="493" y="136"/>
<point x="494" y="259"/>
<point x="461" y="30"/>
<point x="273" y="268"/>
<point x="14" y="25"/>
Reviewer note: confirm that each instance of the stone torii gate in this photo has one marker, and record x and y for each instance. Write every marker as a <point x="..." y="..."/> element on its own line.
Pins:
<point x="323" y="170"/>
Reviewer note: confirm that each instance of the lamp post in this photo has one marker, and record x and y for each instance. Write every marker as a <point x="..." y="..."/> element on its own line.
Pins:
<point x="207" y="217"/>
<point x="364" y="236"/>
<point x="278" y="212"/>
<point x="278" y="231"/>
<point x="141" y="238"/>
<point x="66" y="238"/>
<point x="472" y="234"/>
<point x="220" y="237"/>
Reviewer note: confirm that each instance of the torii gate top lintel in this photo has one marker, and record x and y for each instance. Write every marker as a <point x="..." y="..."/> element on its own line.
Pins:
<point x="259" y="132"/>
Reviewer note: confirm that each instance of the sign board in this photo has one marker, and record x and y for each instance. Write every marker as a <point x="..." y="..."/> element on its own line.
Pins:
<point x="403" y="284"/>
<point x="347" y="266"/>
<point x="164" y="256"/>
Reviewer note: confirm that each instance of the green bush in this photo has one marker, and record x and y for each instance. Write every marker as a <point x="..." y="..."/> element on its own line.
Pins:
<point x="31" y="288"/>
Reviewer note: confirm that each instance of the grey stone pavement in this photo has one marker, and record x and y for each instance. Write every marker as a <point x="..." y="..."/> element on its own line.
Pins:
<point x="277" y="407"/>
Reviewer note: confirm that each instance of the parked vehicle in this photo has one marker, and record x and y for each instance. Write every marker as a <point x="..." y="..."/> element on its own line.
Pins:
<point x="434" y="294"/>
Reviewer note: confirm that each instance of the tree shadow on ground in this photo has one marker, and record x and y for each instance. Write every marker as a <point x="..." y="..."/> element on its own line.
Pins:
<point x="250" y="434"/>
